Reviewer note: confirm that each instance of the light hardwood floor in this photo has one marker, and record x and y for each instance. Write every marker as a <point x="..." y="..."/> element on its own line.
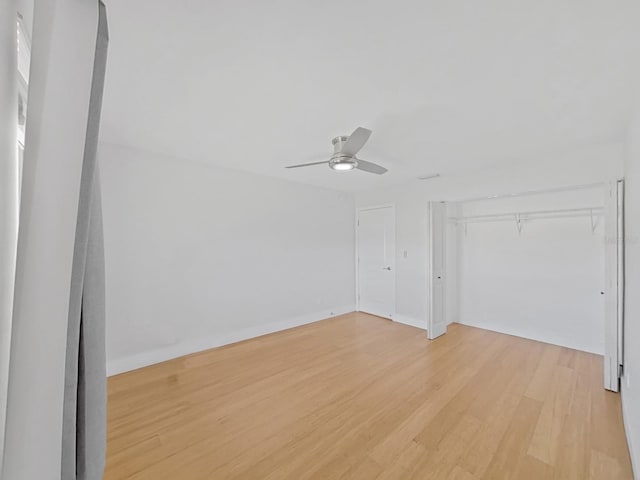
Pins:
<point x="361" y="397"/>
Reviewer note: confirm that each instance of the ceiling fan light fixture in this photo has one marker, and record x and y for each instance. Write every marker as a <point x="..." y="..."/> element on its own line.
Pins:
<point x="342" y="166"/>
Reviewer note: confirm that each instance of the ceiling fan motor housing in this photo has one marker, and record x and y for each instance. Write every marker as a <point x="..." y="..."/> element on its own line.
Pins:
<point x="339" y="160"/>
<point x="338" y="142"/>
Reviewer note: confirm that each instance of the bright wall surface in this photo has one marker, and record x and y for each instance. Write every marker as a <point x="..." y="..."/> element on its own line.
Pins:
<point x="544" y="282"/>
<point x="576" y="167"/>
<point x="198" y="256"/>
<point x="631" y="376"/>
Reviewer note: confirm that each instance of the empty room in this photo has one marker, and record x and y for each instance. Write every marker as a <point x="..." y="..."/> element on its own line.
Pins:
<point x="319" y="240"/>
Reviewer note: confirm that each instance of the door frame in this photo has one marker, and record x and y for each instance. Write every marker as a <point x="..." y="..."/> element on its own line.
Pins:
<point x="392" y="206"/>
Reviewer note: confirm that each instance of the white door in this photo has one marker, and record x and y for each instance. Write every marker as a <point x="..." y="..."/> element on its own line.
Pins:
<point x="376" y="242"/>
<point x="437" y="323"/>
<point x="614" y="284"/>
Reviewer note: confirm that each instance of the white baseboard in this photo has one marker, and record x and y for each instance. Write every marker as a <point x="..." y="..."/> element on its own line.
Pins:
<point x="407" y="320"/>
<point x="627" y="430"/>
<point x="150" y="357"/>
<point x="531" y="336"/>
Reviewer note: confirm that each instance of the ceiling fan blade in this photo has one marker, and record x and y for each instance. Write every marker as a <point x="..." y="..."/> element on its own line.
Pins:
<point x="307" y="164"/>
<point x="370" y="167"/>
<point x="356" y="141"/>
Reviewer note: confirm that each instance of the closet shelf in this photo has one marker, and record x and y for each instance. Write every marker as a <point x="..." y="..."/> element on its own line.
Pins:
<point x="530" y="215"/>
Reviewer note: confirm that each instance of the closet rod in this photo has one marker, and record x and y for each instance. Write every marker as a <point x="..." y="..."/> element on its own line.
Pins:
<point x="532" y="215"/>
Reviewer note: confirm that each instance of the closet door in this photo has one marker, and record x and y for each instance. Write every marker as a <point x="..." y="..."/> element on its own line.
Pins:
<point x="376" y="261"/>
<point x="614" y="290"/>
<point x="437" y="324"/>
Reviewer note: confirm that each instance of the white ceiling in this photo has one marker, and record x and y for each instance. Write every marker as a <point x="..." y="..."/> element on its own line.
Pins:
<point x="446" y="86"/>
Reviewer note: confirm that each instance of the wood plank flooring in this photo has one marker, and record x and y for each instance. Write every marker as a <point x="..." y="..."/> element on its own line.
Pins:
<point x="361" y="397"/>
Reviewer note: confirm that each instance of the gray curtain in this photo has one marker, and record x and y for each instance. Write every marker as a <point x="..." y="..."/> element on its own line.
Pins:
<point x="85" y="397"/>
<point x="8" y="194"/>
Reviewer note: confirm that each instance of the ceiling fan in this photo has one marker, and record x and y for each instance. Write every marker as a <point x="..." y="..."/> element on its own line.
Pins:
<point x="344" y="154"/>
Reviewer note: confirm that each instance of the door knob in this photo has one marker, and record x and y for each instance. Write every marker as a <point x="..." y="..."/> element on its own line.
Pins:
<point x="386" y="268"/>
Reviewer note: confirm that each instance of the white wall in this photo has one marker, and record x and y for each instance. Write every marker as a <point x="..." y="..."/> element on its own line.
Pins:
<point x="198" y="256"/>
<point x="631" y="377"/>
<point x="544" y="283"/>
<point x="575" y="167"/>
